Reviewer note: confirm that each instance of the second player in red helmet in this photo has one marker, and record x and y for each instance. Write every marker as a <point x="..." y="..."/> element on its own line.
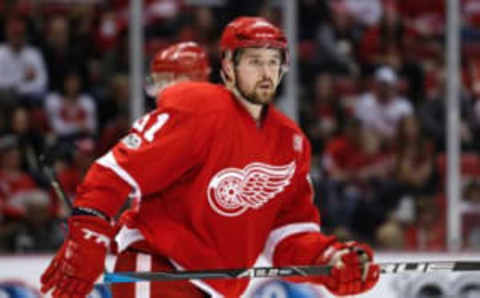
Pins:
<point x="184" y="61"/>
<point x="222" y="177"/>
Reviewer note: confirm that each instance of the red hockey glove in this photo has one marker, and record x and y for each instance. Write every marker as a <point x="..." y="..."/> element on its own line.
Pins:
<point x="80" y="260"/>
<point x="353" y="271"/>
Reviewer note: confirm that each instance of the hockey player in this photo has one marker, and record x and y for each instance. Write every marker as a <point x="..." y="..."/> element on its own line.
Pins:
<point x="180" y="62"/>
<point x="221" y="177"/>
<point x="184" y="61"/>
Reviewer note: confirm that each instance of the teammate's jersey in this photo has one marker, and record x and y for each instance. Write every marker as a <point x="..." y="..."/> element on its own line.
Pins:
<point x="215" y="187"/>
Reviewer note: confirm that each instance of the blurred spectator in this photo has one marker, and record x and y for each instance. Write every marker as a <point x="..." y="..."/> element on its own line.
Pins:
<point x="323" y="116"/>
<point x="336" y="39"/>
<point x="474" y="76"/>
<point x="31" y="142"/>
<point x="433" y="117"/>
<point x="428" y="231"/>
<point x="471" y="218"/>
<point x="472" y="192"/>
<point x="390" y="36"/>
<point x="61" y="54"/>
<point x="341" y="162"/>
<point x="159" y="11"/>
<point x="426" y="16"/>
<point x="39" y="232"/>
<point x="96" y="81"/>
<point x="389" y="236"/>
<point x="368" y="12"/>
<point x="313" y="12"/>
<point x="71" y="112"/>
<point x="471" y="12"/>
<point x="382" y="108"/>
<point x="357" y="170"/>
<point x="117" y="60"/>
<point x="471" y="230"/>
<point x="23" y="202"/>
<point x="22" y="68"/>
<point x="82" y="18"/>
<point x="393" y="43"/>
<point x="15" y="184"/>
<point x="415" y="158"/>
<point x="238" y="8"/>
<point x="108" y="31"/>
<point x="7" y="230"/>
<point x="114" y="114"/>
<point x="202" y="30"/>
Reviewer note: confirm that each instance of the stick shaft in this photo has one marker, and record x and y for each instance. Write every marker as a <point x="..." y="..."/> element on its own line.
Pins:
<point x="277" y="272"/>
<point x="54" y="182"/>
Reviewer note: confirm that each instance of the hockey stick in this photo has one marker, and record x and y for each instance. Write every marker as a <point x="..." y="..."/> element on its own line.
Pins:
<point x="53" y="180"/>
<point x="55" y="183"/>
<point x="277" y="272"/>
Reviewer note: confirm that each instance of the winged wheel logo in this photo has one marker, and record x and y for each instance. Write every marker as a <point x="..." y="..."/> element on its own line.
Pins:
<point x="232" y="191"/>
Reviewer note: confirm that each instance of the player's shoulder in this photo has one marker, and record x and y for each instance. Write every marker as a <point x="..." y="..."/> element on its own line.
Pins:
<point x="285" y="122"/>
<point x="196" y="97"/>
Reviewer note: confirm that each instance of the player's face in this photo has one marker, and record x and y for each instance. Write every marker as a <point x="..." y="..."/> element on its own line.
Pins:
<point x="258" y="74"/>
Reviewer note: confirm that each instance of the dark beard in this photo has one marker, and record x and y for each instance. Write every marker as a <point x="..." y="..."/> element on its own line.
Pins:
<point x="252" y="98"/>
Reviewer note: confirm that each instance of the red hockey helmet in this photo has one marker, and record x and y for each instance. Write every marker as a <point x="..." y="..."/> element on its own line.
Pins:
<point x="253" y="32"/>
<point x="182" y="58"/>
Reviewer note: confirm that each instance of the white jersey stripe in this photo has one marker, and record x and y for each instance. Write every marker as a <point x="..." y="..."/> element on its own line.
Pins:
<point x="143" y="263"/>
<point x="126" y="236"/>
<point x="109" y="161"/>
<point x="277" y="235"/>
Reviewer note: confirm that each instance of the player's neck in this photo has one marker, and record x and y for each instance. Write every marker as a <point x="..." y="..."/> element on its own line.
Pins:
<point x="255" y="110"/>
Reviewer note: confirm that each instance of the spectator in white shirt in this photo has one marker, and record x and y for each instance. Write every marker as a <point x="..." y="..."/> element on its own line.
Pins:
<point x="367" y="12"/>
<point x="71" y="112"/>
<point x="22" y="68"/>
<point x="382" y="109"/>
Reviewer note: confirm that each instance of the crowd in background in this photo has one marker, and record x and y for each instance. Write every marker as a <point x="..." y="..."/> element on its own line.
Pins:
<point x="373" y="83"/>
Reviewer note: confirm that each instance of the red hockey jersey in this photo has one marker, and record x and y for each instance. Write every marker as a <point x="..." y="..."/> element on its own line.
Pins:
<point x="215" y="188"/>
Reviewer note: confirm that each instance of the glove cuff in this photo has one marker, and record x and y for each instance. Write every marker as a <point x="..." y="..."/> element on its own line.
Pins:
<point x="91" y="228"/>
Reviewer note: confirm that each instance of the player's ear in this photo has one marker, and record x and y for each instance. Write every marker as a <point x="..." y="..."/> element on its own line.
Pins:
<point x="228" y="68"/>
<point x="227" y="72"/>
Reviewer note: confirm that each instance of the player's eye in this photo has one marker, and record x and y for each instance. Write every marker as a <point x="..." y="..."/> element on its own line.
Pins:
<point x="255" y="62"/>
<point x="274" y="62"/>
